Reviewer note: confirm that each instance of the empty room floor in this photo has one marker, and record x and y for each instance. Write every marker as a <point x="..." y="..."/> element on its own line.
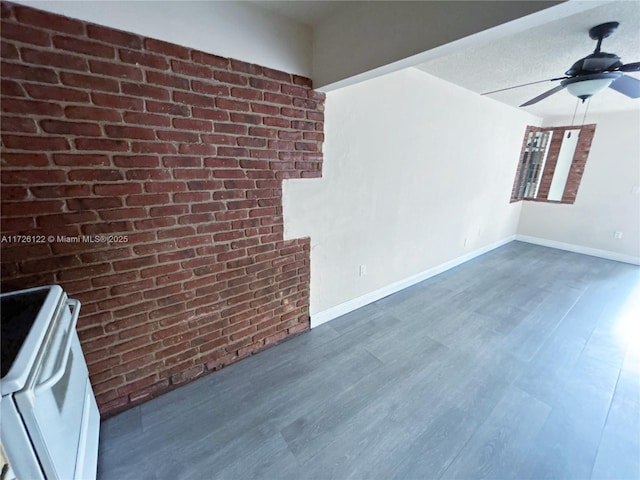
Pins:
<point x="522" y="363"/>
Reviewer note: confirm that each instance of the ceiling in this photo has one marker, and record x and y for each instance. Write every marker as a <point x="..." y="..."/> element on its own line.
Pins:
<point x="538" y="53"/>
<point x="546" y="52"/>
<point x="308" y="12"/>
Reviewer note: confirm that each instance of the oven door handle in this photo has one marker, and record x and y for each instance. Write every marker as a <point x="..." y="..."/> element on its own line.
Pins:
<point x="63" y="355"/>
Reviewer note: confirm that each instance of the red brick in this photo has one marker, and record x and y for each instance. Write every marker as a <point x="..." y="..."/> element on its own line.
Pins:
<point x="277" y="75"/>
<point x="146" y="119"/>
<point x="246" y="93"/>
<point x="210" y="88"/>
<point x="148" y="199"/>
<point x="92" y="113"/>
<point x="117" y="101"/>
<point x="46" y="92"/>
<point x="189" y="69"/>
<point x="48" y="21"/>
<point x="142" y="90"/>
<point x="95" y="175"/>
<point x="80" y="160"/>
<point x="71" y="128"/>
<point x="100" y="144"/>
<point x="54" y="59"/>
<point x="117" y="189"/>
<point x="55" y="191"/>
<point x="230" y="128"/>
<point x="210" y="114"/>
<point x="33" y="107"/>
<point x="18" y="124"/>
<point x="11" y="88"/>
<point x="167" y="108"/>
<point x="86" y="47"/>
<point x="88" y="203"/>
<point x="182" y="161"/>
<point x="175" y="136"/>
<point x="14" y="193"/>
<point x="111" y="69"/>
<point x="227" y="104"/>
<point x="277" y="122"/>
<point x="305" y="82"/>
<point x="30" y="73"/>
<point x="8" y="51"/>
<point x="148" y="174"/>
<point x="123" y="131"/>
<point x="208" y="59"/>
<point x="154" y="223"/>
<point x="168" y="210"/>
<point x="228" y="77"/>
<point x="188" y="124"/>
<point x="264" y="84"/>
<point x="146" y="59"/>
<point x="35" y="143"/>
<point x="292" y="112"/>
<point x="25" y="34"/>
<point x="165" y="48"/>
<point x="193" y="99"/>
<point x="114" y="37"/>
<point x="123" y="213"/>
<point x="167" y="80"/>
<point x="278" y="98"/>
<point x="197" y="149"/>
<point x="90" y="82"/>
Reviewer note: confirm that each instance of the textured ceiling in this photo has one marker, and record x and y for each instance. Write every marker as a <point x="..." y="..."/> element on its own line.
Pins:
<point x="546" y="52"/>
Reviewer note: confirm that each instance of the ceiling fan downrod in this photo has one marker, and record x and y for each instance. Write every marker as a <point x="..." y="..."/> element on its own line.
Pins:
<point x="602" y="31"/>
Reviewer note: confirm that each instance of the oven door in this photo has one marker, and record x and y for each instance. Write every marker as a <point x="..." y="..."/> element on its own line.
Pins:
<point x="52" y="404"/>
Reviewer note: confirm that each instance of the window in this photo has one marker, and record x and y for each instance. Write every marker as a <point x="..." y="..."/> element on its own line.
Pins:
<point x="551" y="163"/>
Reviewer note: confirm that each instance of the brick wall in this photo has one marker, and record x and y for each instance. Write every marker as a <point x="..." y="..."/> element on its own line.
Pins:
<point x="172" y="160"/>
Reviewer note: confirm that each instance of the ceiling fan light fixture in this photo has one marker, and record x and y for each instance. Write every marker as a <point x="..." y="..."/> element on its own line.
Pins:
<point x="585" y="86"/>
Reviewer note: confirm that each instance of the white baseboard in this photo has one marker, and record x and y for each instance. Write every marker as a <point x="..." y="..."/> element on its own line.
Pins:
<point x="594" y="252"/>
<point x="351" y="305"/>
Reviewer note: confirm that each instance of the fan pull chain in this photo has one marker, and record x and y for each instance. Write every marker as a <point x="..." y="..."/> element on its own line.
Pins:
<point x="586" y="110"/>
<point x="574" y="111"/>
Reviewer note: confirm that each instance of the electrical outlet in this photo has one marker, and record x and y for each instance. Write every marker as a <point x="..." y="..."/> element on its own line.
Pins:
<point x="635" y="190"/>
<point x="617" y="235"/>
<point x="363" y="270"/>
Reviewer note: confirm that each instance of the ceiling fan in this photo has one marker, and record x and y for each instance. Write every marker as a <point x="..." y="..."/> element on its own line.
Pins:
<point x="593" y="73"/>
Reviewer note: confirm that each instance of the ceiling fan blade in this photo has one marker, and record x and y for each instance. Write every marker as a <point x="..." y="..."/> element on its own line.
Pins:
<point x="523" y="85"/>
<point x="542" y="96"/>
<point x="630" y="67"/>
<point x="627" y="85"/>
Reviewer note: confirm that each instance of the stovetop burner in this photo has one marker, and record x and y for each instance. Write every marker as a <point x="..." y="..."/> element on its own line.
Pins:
<point x="18" y="313"/>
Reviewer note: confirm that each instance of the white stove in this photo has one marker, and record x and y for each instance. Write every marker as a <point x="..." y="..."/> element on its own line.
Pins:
<point x="50" y="420"/>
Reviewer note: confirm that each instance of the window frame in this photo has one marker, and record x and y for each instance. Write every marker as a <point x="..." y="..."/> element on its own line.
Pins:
<point x="545" y="175"/>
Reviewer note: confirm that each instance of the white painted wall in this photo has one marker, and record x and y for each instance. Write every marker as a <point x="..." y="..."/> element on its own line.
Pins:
<point x="226" y="28"/>
<point x="605" y="202"/>
<point x="413" y="166"/>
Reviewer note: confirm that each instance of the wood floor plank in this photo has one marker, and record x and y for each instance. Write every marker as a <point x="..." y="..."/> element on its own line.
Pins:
<point x="432" y="452"/>
<point x="619" y="449"/>
<point x="498" y="446"/>
<point x="568" y="443"/>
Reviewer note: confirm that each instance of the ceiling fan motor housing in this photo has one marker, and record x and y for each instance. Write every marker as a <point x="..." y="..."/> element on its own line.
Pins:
<point x="595" y="63"/>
